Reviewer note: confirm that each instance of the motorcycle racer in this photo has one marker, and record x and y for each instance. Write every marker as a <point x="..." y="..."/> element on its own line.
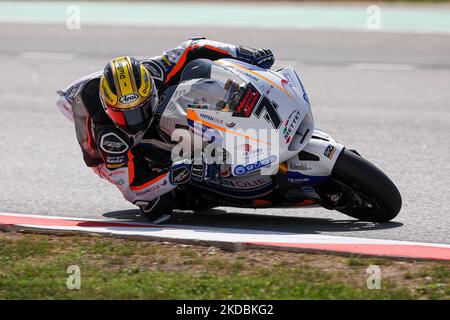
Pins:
<point x="113" y="109"/>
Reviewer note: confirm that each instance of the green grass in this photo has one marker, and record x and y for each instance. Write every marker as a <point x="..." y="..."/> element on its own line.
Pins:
<point x="34" y="267"/>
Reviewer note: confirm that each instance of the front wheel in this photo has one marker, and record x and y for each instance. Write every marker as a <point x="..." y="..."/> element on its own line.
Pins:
<point x="366" y="192"/>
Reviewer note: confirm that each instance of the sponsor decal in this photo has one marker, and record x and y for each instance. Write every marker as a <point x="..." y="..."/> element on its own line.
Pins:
<point x="247" y="102"/>
<point x="109" y="96"/>
<point x="112" y="143"/>
<point x="251" y="76"/>
<point x="179" y="175"/>
<point x="72" y="92"/>
<point x="248" y="151"/>
<point x="124" y="80"/>
<point x="120" y="68"/>
<point x="299" y="166"/>
<point x="241" y="169"/>
<point x="102" y="172"/>
<point x="114" y="165"/>
<point x="148" y="190"/>
<point x="248" y="184"/>
<point x="166" y="63"/>
<point x="128" y="98"/>
<point x="230" y="125"/>
<point x="115" y="160"/>
<point x="329" y="152"/>
<point x="155" y="69"/>
<point x="211" y="118"/>
<point x="146" y="82"/>
<point x="118" y="172"/>
<point x="247" y="74"/>
<point x="287" y="80"/>
<point x="298" y="178"/>
<point x="290" y="125"/>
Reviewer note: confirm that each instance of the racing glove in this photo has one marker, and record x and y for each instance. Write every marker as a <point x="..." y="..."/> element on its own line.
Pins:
<point x="184" y="170"/>
<point x="202" y="171"/>
<point x="263" y="58"/>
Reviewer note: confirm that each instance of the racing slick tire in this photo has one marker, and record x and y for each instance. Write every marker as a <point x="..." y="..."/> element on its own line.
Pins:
<point x="369" y="195"/>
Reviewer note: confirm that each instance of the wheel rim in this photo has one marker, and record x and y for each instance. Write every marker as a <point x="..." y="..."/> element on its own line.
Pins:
<point x="355" y="198"/>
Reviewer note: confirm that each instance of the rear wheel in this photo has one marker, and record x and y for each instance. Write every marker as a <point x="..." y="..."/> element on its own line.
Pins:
<point x="366" y="192"/>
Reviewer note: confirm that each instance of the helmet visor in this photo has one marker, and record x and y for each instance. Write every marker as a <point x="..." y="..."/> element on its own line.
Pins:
<point x="134" y="120"/>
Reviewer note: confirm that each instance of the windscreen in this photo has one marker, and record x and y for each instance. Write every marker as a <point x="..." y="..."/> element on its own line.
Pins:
<point x="221" y="92"/>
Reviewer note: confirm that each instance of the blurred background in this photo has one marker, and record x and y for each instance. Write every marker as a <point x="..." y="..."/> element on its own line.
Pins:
<point x="377" y="75"/>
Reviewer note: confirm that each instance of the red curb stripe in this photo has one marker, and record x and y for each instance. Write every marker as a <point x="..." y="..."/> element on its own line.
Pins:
<point x="38" y="221"/>
<point x="392" y="250"/>
<point x="426" y="251"/>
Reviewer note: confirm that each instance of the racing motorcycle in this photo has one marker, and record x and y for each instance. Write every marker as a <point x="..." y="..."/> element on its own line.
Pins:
<point x="228" y="99"/>
<point x="258" y="126"/>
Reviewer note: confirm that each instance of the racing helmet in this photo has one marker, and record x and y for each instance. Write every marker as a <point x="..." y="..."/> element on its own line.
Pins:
<point x="128" y="94"/>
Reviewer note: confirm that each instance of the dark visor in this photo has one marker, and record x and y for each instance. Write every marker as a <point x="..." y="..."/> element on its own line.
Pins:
<point x="138" y="118"/>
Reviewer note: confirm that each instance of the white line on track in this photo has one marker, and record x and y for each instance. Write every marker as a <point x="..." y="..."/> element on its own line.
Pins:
<point x="235" y="26"/>
<point x="46" y="55"/>
<point x="383" y="66"/>
<point x="38" y="55"/>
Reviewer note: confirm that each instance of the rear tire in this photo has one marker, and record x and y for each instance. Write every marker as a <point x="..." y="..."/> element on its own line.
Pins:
<point x="369" y="195"/>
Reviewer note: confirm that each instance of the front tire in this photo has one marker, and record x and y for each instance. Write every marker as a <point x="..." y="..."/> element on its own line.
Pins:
<point x="367" y="193"/>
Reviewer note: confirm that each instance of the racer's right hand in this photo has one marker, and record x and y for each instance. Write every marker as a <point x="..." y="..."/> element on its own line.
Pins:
<point x="202" y="171"/>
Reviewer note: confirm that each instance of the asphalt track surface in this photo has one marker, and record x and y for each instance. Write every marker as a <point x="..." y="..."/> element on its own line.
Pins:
<point x="385" y="94"/>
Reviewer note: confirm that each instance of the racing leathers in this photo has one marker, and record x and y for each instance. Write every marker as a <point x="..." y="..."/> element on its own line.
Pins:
<point x="116" y="156"/>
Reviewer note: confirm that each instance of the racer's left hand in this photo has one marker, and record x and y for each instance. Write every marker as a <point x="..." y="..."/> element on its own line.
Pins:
<point x="263" y="58"/>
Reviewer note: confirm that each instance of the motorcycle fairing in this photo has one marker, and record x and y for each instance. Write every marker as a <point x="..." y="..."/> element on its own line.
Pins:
<point x="318" y="167"/>
<point x="249" y="186"/>
<point x="66" y="97"/>
<point x="279" y="97"/>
